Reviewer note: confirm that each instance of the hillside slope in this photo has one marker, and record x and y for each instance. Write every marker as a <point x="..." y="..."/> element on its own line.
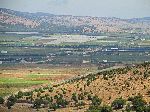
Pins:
<point x="119" y="89"/>
<point x="11" y="20"/>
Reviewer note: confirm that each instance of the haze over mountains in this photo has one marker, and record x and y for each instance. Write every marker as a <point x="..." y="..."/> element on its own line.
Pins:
<point x="11" y="20"/>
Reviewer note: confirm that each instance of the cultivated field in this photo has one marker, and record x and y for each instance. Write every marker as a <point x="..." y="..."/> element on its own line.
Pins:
<point x="20" y="77"/>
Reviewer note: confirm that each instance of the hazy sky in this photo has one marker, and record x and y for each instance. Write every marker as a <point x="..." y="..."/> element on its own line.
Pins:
<point x="101" y="8"/>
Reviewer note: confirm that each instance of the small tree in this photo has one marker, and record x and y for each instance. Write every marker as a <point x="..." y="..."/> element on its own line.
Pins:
<point x="81" y="96"/>
<point x="51" y="89"/>
<point x="61" y="102"/>
<point x="138" y="103"/>
<point x="74" y="97"/>
<point x="53" y="106"/>
<point x="38" y="94"/>
<point x="89" y="97"/>
<point x="128" y="108"/>
<point x="1" y="100"/>
<point x="20" y="94"/>
<point x="80" y="104"/>
<point x="118" y="103"/>
<point x="106" y="109"/>
<point x="37" y="103"/>
<point x="41" y="90"/>
<point x="147" y="109"/>
<point x="88" y="82"/>
<point x="11" y="101"/>
<point x="96" y="108"/>
<point x="9" y="104"/>
<point x="50" y="99"/>
<point x="96" y="100"/>
<point x="146" y="74"/>
<point x="93" y="108"/>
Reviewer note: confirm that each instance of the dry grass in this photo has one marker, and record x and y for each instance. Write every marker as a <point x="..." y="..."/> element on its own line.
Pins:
<point x="119" y="85"/>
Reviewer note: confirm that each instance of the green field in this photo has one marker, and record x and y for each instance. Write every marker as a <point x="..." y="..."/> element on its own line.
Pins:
<point x="63" y="50"/>
<point x="17" y="78"/>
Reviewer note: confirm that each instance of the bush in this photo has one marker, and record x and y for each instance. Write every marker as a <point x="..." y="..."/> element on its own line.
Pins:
<point x="138" y="103"/>
<point x="37" y="103"/>
<point x="81" y="96"/>
<point x="118" y="103"/>
<point x="94" y="108"/>
<point x="41" y="90"/>
<point x="9" y="104"/>
<point x="51" y="89"/>
<point x="80" y="103"/>
<point x="88" y="82"/>
<point x="50" y="99"/>
<point x="64" y="92"/>
<point x="20" y="94"/>
<point x="128" y="107"/>
<point x="1" y="100"/>
<point x="147" y="109"/>
<point x="106" y="109"/>
<point x="146" y="74"/>
<point x="96" y="101"/>
<point x="38" y="94"/>
<point x="11" y="101"/>
<point x="53" y="106"/>
<point x="61" y="102"/>
<point x="89" y="97"/>
<point x="74" y="97"/>
<point x="28" y="93"/>
<point x="135" y="72"/>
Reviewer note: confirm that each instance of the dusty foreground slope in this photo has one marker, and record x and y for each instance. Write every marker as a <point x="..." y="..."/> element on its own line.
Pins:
<point x="128" y="85"/>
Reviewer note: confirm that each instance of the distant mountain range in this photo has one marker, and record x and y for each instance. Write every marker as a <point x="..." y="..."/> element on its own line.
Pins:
<point x="11" y="20"/>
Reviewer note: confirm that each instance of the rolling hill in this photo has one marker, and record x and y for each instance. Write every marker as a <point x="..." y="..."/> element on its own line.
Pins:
<point x="122" y="89"/>
<point x="11" y="20"/>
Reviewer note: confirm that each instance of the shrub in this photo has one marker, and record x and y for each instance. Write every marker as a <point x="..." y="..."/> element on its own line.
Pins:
<point x="61" y="102"/>
<point x="56" y="97"/>
<point x="28" y="93"/>
<point x="89" y="97"/>
<point x="147" y="109"/>
<point x="80" y="103"/>
<point x="105" y="77"/>
<point x="53" y="106"/>
<point x="1" y="100"/>
<point x="81" y="96"/>
<point x="106" y="109"/>
<point x="51" y="89"/>
<point x="64" y="92"/>
<point x="135" y="72"/>
<point x="128" y="108"/>
<point x="118" y="103"/>
<point x="11" y="101"/>
<point x="50" y="99"/>
<point x="88" y="82"/>
<point x="9" y="104"/>
<point x="94" y="108"/>
<point x="41" y="90"/>
<point x="37" y="103"/>
<point x="146" y="74"/>
<point x="74" y="97"/>
<point x="20" y="94"/>
<point x="96" y="101"/>
<point x="38" y="94"/>
<point x="138" y="103"/>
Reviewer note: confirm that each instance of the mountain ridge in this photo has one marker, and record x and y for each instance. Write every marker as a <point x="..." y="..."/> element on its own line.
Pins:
<point x="40" y="12"/>
<point x="11" y="20"/>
